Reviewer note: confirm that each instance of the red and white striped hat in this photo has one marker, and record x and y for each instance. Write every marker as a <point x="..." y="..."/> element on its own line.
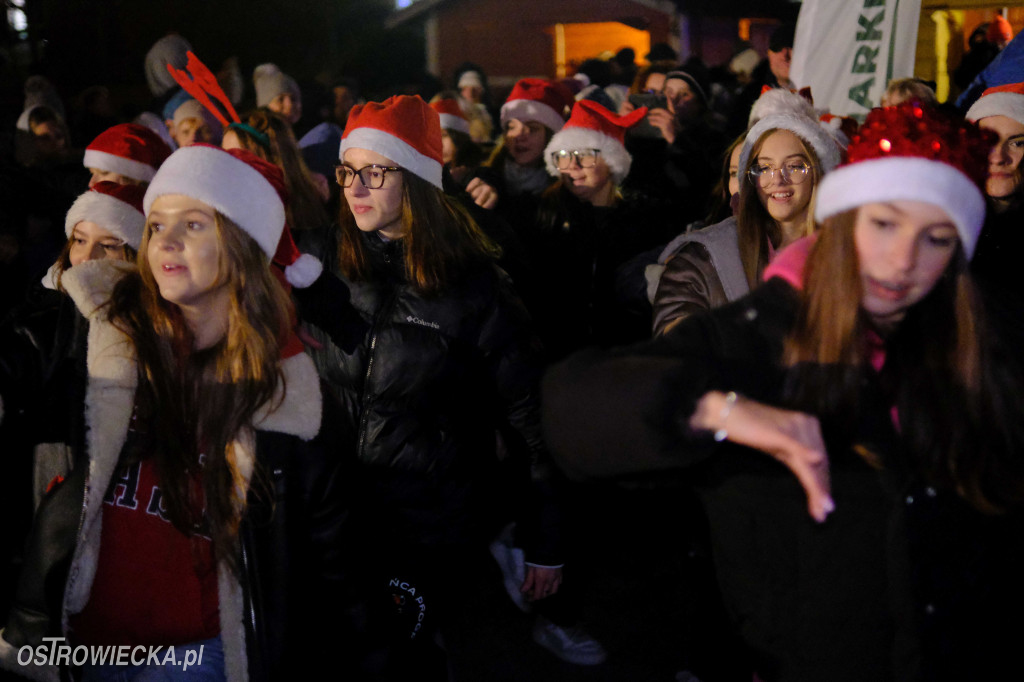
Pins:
<point x="451" y="115"/>
<point x="129" y="149"/>
<point x="116" y="208"/>
<point x="405" y="129"/>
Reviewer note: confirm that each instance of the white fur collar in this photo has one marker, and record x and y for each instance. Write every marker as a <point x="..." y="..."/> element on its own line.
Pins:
<point x="110" y="397"/>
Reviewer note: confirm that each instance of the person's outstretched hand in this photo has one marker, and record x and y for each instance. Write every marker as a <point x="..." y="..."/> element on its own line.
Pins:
<point x="793" y="438"/>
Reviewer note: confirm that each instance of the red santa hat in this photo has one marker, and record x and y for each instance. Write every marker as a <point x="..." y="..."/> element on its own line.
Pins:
<point x="913" y="153"/>
<point x="592" y="126"/>
<point x="451" y="115"/>
<point x="1003" y="100"/>
<point x="116" y="208"/>
<point x="242" y="187"/>
<point x="128" y="149"/>
<point x="536" y="99"/>
<point x="405" y="129"/>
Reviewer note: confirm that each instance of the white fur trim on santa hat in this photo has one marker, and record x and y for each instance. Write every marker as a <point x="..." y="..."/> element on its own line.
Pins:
<point x="1008" y="104"/>
<point x="130" y="168"/>
<point x="227" y="184"/>
<point x="807" y="129"/>
<point x="304" y="271"/>
<point x="396" y="149"/>
<point x="905" y="178"/>
<point x="453" y="122"/>
<point x="113" y="215"/>
<point x="531" y="110"/>
<point x="612" y="151"/>
<point x="780" y="101"/>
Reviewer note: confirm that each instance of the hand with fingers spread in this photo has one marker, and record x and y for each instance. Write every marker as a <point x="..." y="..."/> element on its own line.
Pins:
<point x="483" y="194"/>
<point x="541" y="582"/>
<point x="793" y="438"/>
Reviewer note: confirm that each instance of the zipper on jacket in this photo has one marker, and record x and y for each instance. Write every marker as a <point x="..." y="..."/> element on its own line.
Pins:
<point x="363" y="418"/>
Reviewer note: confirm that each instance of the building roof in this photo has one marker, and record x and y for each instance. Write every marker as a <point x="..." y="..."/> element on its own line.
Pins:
<point x="421" y="7"/>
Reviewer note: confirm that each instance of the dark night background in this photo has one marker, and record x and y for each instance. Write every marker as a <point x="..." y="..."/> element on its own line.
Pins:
<point x="80" y="43"/>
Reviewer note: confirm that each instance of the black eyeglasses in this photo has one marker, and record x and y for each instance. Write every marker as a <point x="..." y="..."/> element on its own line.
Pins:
<point x="371" y="176"/>
<point x="586" y="158"/>
<point x="793" y="173"/>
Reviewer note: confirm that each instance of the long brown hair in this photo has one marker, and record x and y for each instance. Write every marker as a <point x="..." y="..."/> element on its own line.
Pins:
<point x="957" y="412"/>
<point x="178" y="385"/>
<point x="305" y="207"/>
<point x="754" y="225"/>
<point x="441" y="240"/>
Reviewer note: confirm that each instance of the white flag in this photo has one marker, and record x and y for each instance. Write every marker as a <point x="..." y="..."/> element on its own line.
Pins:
<point x="847" y="51"/>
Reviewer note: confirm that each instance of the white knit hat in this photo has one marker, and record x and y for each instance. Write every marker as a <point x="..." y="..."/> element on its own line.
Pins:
<point x="270" y="81"/>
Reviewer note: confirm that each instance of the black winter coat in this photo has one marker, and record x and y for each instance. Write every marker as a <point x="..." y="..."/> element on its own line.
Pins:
<point x="590" y="290"/>
<point x="887" y="588"/>
<point x="426" y="382"/>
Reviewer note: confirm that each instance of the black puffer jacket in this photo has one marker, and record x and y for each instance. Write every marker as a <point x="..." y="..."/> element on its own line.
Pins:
<point x="428" y="380"/>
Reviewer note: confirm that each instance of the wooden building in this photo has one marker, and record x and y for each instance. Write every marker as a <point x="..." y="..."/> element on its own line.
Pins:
<point x="544" y="38"/>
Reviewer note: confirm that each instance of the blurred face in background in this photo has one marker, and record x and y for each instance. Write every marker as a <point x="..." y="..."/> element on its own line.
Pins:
<point x="288" y="106"/>
<point x="683" y="100"/>
<point x="525" y="141"/>
<point x="191" y="131"/>
<point x="49" y="138"/>
<point x="779" y="63"/>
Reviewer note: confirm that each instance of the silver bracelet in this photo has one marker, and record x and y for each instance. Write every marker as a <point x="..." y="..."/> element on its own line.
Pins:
<point x="730" y="400"/>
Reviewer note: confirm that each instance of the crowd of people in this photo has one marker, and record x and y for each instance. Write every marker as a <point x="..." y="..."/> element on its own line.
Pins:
<point x="260" y="376"/>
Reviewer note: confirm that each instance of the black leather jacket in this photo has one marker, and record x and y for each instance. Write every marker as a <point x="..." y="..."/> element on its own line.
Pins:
<point x="292" y="538"/>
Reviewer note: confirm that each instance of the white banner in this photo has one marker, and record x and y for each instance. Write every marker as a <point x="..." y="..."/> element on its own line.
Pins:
<point x="847" y="51"/>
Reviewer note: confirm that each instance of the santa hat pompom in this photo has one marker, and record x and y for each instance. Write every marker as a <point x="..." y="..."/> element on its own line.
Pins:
<point x="780" y="101"/>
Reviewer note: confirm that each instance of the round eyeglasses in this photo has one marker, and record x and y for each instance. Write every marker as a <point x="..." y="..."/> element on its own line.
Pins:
<point x="793" y="173"/>
<point x="371" y="176"/>
<point x="585" y="158"/>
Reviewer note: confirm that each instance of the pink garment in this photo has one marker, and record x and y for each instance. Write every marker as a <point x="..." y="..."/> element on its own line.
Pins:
<point x="789" y="262"/>
<point x="789" y="265"/>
